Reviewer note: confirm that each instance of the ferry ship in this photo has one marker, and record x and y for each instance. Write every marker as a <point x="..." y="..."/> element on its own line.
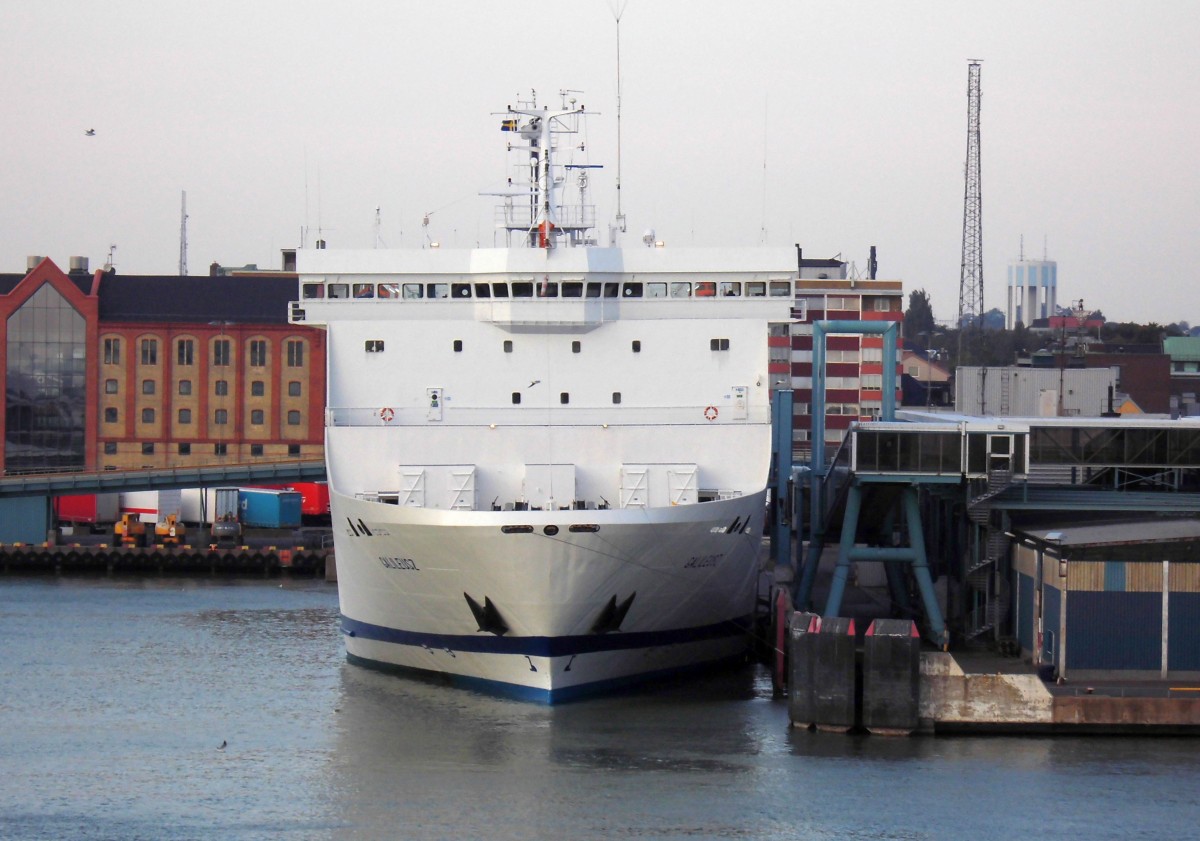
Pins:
<point x="547" y="460"/>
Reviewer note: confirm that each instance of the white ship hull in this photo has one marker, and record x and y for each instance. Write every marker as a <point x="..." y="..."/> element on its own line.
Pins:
<point x="548" y="621"/>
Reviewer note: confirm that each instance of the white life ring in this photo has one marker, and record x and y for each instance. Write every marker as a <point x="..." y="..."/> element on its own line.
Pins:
<point x="387" y="414"/>
<point x="710" y="413"/>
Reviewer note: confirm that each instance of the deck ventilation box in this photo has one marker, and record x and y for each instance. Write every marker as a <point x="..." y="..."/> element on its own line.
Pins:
<point x="447" y="487"/>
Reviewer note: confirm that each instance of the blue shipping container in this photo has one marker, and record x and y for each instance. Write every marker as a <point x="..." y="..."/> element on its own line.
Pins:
<point x="269" y="509"/>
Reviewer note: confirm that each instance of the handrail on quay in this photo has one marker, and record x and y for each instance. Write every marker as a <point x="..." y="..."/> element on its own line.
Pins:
<point x="208" y="475"/>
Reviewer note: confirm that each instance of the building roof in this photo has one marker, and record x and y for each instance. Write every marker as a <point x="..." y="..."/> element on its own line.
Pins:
<point x="9" y="281"/>
<point x="1182" y="348"/>
<point x="1140" y="532"/>
<point x="261" y="299"/>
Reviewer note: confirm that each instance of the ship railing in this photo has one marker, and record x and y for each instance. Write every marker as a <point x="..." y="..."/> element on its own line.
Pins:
<point x="500" y="416"/>
<point x="522" y="216"/>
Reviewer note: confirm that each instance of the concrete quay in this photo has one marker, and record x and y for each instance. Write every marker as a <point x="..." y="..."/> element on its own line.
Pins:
<point x="102" y="559"/>
<point x="981" y="693"/>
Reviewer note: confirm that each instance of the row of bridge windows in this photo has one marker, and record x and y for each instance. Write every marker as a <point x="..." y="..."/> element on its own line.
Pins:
<point x="553" y="289"/>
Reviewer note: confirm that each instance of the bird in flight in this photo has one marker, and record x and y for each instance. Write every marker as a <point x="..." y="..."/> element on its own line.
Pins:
<point x="90" y="132"/>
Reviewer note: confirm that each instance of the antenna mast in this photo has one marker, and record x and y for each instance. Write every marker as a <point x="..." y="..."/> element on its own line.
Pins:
<point x="617" y="12"/>
<point x="183" y="236"/>
<point x="970" y="289"/>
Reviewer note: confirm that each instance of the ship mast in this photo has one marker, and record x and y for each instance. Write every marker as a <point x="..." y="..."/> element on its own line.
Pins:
<point x="545" y="221"/>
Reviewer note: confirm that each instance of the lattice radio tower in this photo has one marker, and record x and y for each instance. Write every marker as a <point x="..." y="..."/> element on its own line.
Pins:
<point x="970" y="287"/>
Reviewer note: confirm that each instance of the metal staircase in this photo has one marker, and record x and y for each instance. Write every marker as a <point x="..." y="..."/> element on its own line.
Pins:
<point x="984" y="615"/>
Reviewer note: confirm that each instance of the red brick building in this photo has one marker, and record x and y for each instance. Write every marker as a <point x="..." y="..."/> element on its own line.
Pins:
<point x="104" y="371"/>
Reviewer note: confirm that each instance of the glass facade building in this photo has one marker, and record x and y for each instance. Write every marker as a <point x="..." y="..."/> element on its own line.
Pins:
<point x="46" y="385"/>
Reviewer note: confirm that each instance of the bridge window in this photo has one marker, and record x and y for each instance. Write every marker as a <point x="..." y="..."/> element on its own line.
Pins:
<point x="780" y="288"/>
<point x="437" y="290"/>
<point x="499" y="290"/>
<point x="681" y="289"/>
<point x="313" y="291"/>
<point x="546" y="289"/>
<point x="461" y="290"/>
<point x="756" y="289"/>
<point x="522" y="289"/>
<point x="730" y="288"/>
<point x="593" y="290"/>
<point x="483" y="290"/>
<point x="339" y="290"/>
<point x="572" y="289"/>
<point x="707" y="289"/>
<point x="656" y="290"/>
<point x="388" y="290"/>
<point x="633" y="290"/>
<point x="413" y="290"/>
<point x="364" y="290"/>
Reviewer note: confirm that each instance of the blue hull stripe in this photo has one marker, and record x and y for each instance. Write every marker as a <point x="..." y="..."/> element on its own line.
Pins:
<point x="545" y="646"/>
<point x="543" y="696"/>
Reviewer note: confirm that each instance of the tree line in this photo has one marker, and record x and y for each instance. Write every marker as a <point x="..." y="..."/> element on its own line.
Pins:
<point x="985" y="341"/>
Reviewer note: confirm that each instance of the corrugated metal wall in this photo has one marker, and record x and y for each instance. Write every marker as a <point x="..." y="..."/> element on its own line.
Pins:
<point x="1183" y="610"/>
<point x="1051" y="610"/>
<point x="1114" y="612"/>
<point x="1183" y="644"/>
<point x="1025" y="624"/>
<point x="1113" y="630"/>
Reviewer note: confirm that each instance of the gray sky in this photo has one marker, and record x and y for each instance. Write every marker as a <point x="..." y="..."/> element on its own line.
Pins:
<point x="835" y="125"/>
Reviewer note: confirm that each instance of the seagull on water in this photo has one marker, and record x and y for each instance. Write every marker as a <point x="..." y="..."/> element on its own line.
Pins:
<point x="222" y="747"/>
<point x="90" y="132"/>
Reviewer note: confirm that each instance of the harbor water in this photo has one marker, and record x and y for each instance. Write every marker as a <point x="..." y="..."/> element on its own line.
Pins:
<point x="168" y="708"/>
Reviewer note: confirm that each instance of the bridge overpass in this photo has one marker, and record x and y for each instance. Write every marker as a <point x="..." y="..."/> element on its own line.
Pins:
<point x="209" y="475"/>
